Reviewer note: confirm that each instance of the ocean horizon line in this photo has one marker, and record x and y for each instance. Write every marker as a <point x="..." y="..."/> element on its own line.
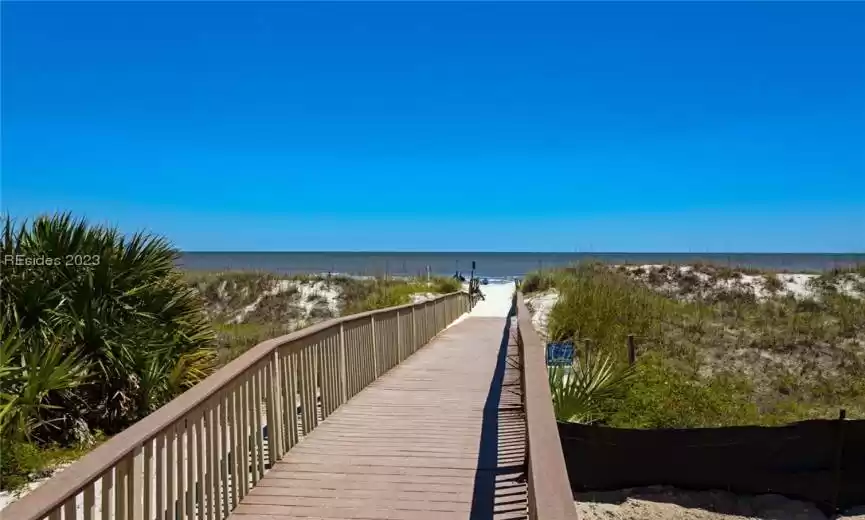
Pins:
<point x="457" y="252"/>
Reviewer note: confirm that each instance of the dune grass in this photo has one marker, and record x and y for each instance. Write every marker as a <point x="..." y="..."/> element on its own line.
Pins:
<point x="281" y="312"/>
<point x="723" y="360"/>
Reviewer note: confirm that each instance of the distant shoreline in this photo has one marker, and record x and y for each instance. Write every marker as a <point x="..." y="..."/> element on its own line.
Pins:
<point x="494" y="265"/>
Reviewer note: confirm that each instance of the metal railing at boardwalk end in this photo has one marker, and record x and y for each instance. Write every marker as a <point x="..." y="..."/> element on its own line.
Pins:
<point x="199" y="455"/>
<point x="549" y="491"/>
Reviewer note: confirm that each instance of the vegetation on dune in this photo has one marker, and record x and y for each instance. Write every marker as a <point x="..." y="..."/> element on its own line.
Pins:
<point x="105" y="334"/>
<point x="367" y="295"/>
<point x="279" y="312"/>
<point x="714" y="358"/>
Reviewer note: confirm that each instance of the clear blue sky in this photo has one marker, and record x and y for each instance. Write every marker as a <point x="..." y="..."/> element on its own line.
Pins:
<point x="682" y="126"/>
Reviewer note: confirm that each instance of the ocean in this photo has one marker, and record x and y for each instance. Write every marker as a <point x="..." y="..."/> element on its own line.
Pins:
<point x="493" y="265"/>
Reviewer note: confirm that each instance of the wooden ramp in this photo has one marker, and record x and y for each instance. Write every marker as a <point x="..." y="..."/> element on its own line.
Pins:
<point x="441" y="436"/>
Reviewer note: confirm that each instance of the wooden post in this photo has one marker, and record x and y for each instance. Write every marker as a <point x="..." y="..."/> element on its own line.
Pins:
<point x="399" y="341"/>
<point x="343" y="377"/>
<point x="839" y="452"/>
<point x="632" y="350"/>
<point x="374" y="348"/>
<point x="413" y="330"/>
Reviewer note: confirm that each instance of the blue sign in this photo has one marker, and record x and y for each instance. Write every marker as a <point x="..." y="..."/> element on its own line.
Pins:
<point x="560" y="354"/>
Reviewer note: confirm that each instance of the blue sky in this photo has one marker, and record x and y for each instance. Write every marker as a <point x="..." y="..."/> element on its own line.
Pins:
<point x="681" y="126"/>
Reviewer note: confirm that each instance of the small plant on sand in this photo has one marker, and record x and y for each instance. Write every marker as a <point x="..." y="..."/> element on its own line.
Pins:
<point x="537" y="282"/>
<point x="772" y="283"/>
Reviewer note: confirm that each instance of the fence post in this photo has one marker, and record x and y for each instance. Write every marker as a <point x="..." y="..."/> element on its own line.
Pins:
<point x="839" y="452"/>
<point x="632" y="350"/>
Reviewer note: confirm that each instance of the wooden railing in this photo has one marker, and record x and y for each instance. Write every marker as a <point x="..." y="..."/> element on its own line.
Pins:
<point x="549" y="492"/>
<point x="198" y="456"/>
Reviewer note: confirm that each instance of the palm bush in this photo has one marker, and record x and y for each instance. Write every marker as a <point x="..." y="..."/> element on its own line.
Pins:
<point x="103" y="336"/>
<point x="581" y="391"/>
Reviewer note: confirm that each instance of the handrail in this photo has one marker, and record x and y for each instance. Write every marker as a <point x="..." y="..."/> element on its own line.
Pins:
<point x="148" y="469"/>
<point x="549" y="491"/>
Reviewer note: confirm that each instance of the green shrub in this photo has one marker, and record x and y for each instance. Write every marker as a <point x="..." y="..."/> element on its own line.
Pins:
<point x="663" y="395"/>
<point x="115" y="316"/>
<point x="580" y="391"/>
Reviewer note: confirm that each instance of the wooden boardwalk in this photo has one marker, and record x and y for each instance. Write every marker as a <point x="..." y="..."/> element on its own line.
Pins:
<point x="441" y="436"/>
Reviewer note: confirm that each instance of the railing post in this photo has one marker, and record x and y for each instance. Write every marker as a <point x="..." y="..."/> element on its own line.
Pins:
<point x="342" y="375"/>
<point x="435" y="321"/>
<point x="274" y="393"/>
<point x="413" y="330"/>
<point x="399" y="357"/>
<point x="374" y="347"/>
<point x="135" y="485"/>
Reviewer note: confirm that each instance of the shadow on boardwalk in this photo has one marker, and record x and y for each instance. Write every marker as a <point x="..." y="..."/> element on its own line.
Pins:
<point x="499" y="487"/>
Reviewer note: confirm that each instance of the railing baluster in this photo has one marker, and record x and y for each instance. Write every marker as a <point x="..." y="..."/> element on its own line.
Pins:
<point x="146" y="484"/>
<point x="267" y="394"/>
<point x="171" y="466"/>
<point x="223" y="451"/>
<point x="107" y="494"/>
<point x="159" y="476"/>
<point x="236" y="444"/>
<point x="189" y="491"/>
<point x="317" y="387"/>
<point x="121" y="490"/>
<point x="181" y="454"/>
<point x="275" y="392"/>
<point x="210" y="446"/>
<point x="89" y="506"/>
<point x="69" y="512"/>
<point x="201" y="463"/>
<point x="137" y="497"/>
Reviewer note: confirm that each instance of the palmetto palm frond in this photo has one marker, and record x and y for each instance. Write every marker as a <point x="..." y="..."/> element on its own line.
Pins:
<point x="579" y="391"/>
<point x="127" y="317"/>
<point x="33" y="370"/>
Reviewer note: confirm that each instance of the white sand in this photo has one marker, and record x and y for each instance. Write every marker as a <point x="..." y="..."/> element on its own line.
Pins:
<point x="497" y="302"/>
<point x="665" y="278"/>
<point x="540" y="305"/>
<point x="666" y="503"/>
<point x="310" y="294"/>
